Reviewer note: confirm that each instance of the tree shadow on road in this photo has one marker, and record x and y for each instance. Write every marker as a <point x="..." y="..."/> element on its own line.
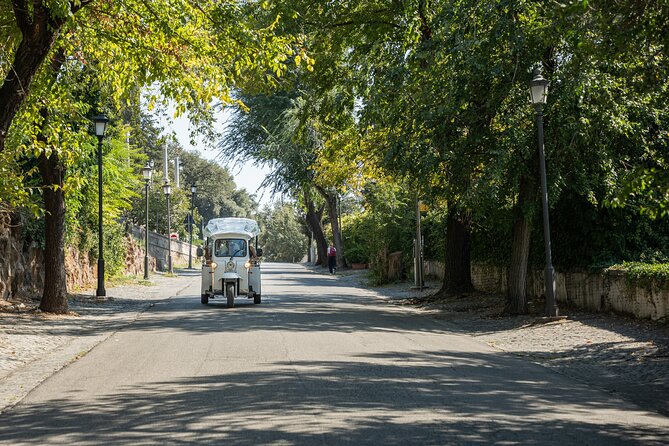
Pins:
<point x="393" y="398"/>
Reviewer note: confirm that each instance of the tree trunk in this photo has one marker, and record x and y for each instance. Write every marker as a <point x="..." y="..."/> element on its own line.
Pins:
<point x="54" y="297"/>
<point x="311" y="241"/>
<point x="520" y="250"/>
<point x="458" y="276"/>
<point x="516" y="302"/>
<point x="522" y="229"/>
<point x="314" y="218"/>
<point x="331" y="200"/>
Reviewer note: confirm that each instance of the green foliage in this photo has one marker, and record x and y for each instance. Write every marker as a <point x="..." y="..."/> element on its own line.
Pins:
<point x="216" y="194"/>
<point x="443" y="102"/>
<point x="433" y="228"/>
<point x="269" y="133"/>
<point x="583" y="235"/>
<point x="586" y="235"/>
<point x="190" y="52"/>
<point x="355" y="233"/>
<point x="13" y="177"/>
<point x="282" y="238"/>
<point x="119" y="182"/>
<point x="644" y="274"/>
<point x="32" y="228"/>
<point x="385" y="226"/>
<point x="491" y="238"/>
<point x="645" y="188"/>
<point x="114" y="248"/>
<point x="427" y="94"/>
<point x="180" y="206"/>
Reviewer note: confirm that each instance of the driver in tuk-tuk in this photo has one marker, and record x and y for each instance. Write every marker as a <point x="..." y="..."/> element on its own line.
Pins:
<point x="236" y="248"/>
<point x="228" y="248"/>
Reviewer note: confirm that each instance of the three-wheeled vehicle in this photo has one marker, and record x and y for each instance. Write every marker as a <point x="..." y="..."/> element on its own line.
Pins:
<point x="231" y="266"/>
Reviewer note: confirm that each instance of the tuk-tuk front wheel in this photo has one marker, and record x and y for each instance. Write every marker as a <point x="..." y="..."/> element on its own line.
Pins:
<point x="204" y="298"/>
<point x="256" y="298"/>
<point x="230" y="294"/>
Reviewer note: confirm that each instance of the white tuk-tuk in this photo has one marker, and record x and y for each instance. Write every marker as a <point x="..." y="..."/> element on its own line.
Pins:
<point x="231" y="264"/>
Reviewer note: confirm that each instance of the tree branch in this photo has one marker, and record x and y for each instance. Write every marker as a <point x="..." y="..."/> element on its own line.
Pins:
<point x="20" y="8"/>
<point x="353" y="22"/>
<point x="77" y="5"/>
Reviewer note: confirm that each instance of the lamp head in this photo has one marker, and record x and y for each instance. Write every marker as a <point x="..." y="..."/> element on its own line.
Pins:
<point x="193" y="188"/>
<point x="167" y="188"/>
<point x="147" y="172"/>
<point x="538" y="88"/>
<point x="100" y="125"/>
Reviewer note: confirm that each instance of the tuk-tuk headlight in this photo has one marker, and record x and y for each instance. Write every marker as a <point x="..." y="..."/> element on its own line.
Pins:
<point x="247" y="265"/>
<point x="230" y="266"/>
<point x="213" y="265"/>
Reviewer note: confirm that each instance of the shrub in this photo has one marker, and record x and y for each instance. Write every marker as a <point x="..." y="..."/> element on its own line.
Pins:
<point x="644" y="274"/>
<point x="385" y="226"/>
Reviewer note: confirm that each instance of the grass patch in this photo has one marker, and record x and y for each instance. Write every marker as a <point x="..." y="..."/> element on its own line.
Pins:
<point x="127" y="280"/>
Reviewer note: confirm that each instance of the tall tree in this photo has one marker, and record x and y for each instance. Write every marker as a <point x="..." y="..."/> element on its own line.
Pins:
<point x="282" y="237"/>
<point x="39" y="23"/>
<point x="314" y="221"/>
<point x="191" y="52"/>
<point x="269" y="132"/>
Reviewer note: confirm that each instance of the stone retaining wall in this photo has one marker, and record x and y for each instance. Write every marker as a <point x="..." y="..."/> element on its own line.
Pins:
<point x="159" y="250"/>
<point x="601" y="291"/>
<point x="82" y="272"/>
<point x="21" y="271"/>
<point x="22" y="264"/>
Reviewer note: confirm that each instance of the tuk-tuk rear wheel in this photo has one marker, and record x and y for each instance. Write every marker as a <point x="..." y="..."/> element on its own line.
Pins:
<point x="256" y="298"/>
<point x="230" y="294"/>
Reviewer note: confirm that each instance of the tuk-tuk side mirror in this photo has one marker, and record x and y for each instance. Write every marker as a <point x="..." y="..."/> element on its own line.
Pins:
<point x="199" y="252"/>
<point x="259" y="252"/>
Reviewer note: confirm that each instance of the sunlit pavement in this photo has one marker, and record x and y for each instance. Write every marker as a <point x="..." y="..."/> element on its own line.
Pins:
<point x="318" y="362"/>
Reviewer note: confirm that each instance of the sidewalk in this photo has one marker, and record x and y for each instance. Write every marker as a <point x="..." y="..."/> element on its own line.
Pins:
<point x="35" y="345"/>
<point x="623" y="356"/>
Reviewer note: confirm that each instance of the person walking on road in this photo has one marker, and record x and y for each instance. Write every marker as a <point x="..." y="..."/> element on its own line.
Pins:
<point x="332" y="259"/>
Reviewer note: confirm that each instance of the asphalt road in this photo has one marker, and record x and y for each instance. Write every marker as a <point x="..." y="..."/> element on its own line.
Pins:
<point x="318" y="362"/>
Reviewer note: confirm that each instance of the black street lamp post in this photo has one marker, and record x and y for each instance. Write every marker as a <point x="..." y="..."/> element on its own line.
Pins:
<point x="539" y="94"/>
<point x="100" y="127"/>
<point x="191" y="220"/>
<point x="146" y="172"/>
<point x="167" y="189"/>
<point x="419" y="283"/>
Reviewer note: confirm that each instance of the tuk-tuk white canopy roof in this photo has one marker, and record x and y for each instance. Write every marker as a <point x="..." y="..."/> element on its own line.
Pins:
<point x="232" y="225"/>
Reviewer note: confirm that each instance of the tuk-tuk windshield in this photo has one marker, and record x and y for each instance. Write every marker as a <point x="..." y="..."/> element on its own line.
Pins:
<point x="230" y="248"/>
